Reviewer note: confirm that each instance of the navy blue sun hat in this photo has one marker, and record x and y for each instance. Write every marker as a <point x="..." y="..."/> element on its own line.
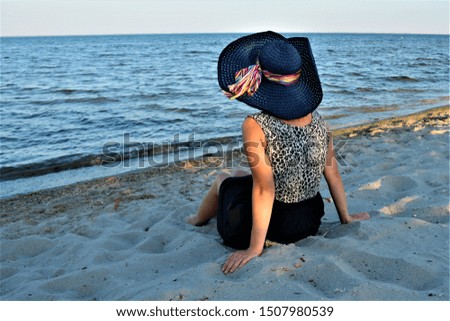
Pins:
<point x="287" y="84"/>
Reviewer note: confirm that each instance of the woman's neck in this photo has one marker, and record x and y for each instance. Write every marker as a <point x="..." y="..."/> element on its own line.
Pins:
<point x="299" y="122"/>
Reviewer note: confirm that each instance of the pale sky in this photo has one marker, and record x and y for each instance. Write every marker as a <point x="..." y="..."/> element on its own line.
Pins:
<point x="82" y="17"/>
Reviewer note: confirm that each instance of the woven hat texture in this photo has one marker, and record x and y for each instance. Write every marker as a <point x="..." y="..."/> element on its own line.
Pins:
<point x="279" y="55"/>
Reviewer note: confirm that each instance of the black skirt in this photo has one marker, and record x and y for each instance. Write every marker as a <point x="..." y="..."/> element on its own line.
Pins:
<point x="289" y="222"/>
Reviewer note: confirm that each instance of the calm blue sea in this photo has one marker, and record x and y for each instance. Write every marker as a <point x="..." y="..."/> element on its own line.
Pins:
<point x="64" y="98"/>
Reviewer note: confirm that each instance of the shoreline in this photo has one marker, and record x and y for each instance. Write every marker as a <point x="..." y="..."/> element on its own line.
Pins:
<point x="130" y="151"/>
<point x="439" y="113"/>
<point x="123" y="237"/>
<point x="110" y="159"/>
<point x="172" y="154"/>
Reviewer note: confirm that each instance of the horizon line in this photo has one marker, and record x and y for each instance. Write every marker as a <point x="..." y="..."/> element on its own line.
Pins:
<point x="221" y="32"/>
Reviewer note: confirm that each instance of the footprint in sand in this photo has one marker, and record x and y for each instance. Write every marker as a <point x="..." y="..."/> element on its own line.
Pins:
<point x="397" y="183"/>
<point x="124" y="241"/>
<point x="391" y="184"/>
<point x="392" y="271"/>
<point x="333" y="231"/>
<point x="25" y="248"/>
<point x="385" y="187"/>
<point x="154" y="244"/>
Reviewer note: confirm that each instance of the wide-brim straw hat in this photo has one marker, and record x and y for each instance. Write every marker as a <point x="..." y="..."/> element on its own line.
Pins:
<point x="275" y="54"/>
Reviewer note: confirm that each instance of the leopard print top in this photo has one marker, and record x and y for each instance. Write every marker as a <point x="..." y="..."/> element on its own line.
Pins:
<point x="297" y="155"/>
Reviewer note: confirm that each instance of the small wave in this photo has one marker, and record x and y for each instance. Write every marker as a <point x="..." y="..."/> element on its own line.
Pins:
<point x="407" y="90"/>
<point x="343" y="92"/>
<point x="326" y="75"/>
<point x="151" y="107"/>
<point x="434" y="101"/>
<point x="84" y="100"/>
<point x="87" y="74"/>
<point x="8" y="139"/>
<point x="402" y="78"/>
<point x="327" y="108"/>
<point x="49" y="67"/>
<point x="203" y="52"/>
<point x="144" y="96"/>
<point x="330" y="117"/>
<point x="70" y="91"/>
<point x="42" y="114"/>
<point x="373" y="109"/>
<point x="66" y="91"/>
<point x="28" y="88"/>
<point x="331" y="85"/>
<point x="108" y="55"/>
<point x="179" y="110"/>
<point x="365" y="89"/>
<point x="86" y="121"/>
<point x="426" y="59"/>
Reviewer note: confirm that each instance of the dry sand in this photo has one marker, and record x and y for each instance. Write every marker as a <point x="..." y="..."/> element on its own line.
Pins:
<point x="124" y="237"/>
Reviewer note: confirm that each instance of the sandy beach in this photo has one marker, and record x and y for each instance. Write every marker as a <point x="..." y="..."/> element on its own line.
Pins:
<point x="125" y="238"/>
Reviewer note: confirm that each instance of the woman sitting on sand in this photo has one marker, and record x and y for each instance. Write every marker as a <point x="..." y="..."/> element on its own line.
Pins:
<point x="287" y="147"/>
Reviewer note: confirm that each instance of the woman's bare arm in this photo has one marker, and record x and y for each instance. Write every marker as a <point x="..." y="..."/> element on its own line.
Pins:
<point x="336" y="186"/>
<point x="263" y="194"/>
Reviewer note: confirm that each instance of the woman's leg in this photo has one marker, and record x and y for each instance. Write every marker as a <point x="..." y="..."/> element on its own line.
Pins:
<point x="208" y="207"/>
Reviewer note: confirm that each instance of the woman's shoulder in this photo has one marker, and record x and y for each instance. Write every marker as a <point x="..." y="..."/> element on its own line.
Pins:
<point x="261" y="118"/>
<point x="252" y="129"/>
<point x="317" y="115"/>
<point x="318" y="119"/>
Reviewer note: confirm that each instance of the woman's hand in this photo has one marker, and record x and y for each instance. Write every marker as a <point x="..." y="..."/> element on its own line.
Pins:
<point x="238" y="260"/>
<point x="357" y="217"/>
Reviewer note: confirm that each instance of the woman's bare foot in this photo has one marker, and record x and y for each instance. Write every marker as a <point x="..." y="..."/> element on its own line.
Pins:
<point x="193" y="220"/>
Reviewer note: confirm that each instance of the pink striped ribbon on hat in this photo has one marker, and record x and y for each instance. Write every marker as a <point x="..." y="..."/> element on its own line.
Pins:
<point x="248" y="80"/>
